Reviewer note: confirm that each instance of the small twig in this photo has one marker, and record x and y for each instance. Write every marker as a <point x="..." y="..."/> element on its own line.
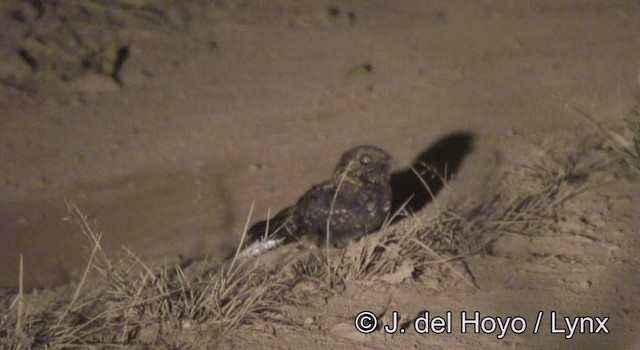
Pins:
<point x="81" y="220"/>
<point x="20" y="299"/>
<point x="328" y="235"/>
<point x="266" y="227"/>
<point x="244" y="235"/>
<point x="144" y="266"/>
<point x="76" y="293"/>
<point x="458" y="273"/>
<point x="426" y="186"/>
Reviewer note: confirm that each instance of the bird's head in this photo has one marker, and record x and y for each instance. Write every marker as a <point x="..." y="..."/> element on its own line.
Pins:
<point x="364" y="165"/>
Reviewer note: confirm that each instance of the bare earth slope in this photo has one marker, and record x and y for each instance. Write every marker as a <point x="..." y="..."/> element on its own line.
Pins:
<point x="165" y="121"/>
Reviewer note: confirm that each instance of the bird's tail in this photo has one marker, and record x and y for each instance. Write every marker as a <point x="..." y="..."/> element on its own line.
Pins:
<point x="268" y="234"/>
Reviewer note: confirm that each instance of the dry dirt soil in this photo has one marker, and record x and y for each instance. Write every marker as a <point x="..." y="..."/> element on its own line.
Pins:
<point x="164" y="121"/>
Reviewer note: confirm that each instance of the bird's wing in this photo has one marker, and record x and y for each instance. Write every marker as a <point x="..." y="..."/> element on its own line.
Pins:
<point x="274" y="227"/>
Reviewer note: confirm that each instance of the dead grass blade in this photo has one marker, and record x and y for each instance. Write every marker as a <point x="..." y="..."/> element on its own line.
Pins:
<point x="623" y="147"/>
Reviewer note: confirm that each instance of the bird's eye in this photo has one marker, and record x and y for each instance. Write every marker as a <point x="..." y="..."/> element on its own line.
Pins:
<point x="365" y="159"/>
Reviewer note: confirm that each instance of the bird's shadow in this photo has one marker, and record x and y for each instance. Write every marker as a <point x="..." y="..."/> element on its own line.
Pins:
<point x="436" y="166"/>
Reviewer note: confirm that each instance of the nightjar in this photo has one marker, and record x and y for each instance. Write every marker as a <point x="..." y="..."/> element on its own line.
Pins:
<point x="354" y="202"/>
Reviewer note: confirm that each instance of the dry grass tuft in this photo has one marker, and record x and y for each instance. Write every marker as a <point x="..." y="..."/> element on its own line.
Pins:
<point x="528" y="199"/>
<point x="125" y="302"/>
<point x="128" y="302"/>
<point x="622" y="146"/>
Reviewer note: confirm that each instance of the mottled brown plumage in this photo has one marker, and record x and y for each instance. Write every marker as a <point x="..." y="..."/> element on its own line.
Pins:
<point x="362" y="202"/>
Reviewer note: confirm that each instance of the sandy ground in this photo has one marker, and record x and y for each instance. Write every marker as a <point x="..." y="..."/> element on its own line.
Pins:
<point x="180" y="119"/>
